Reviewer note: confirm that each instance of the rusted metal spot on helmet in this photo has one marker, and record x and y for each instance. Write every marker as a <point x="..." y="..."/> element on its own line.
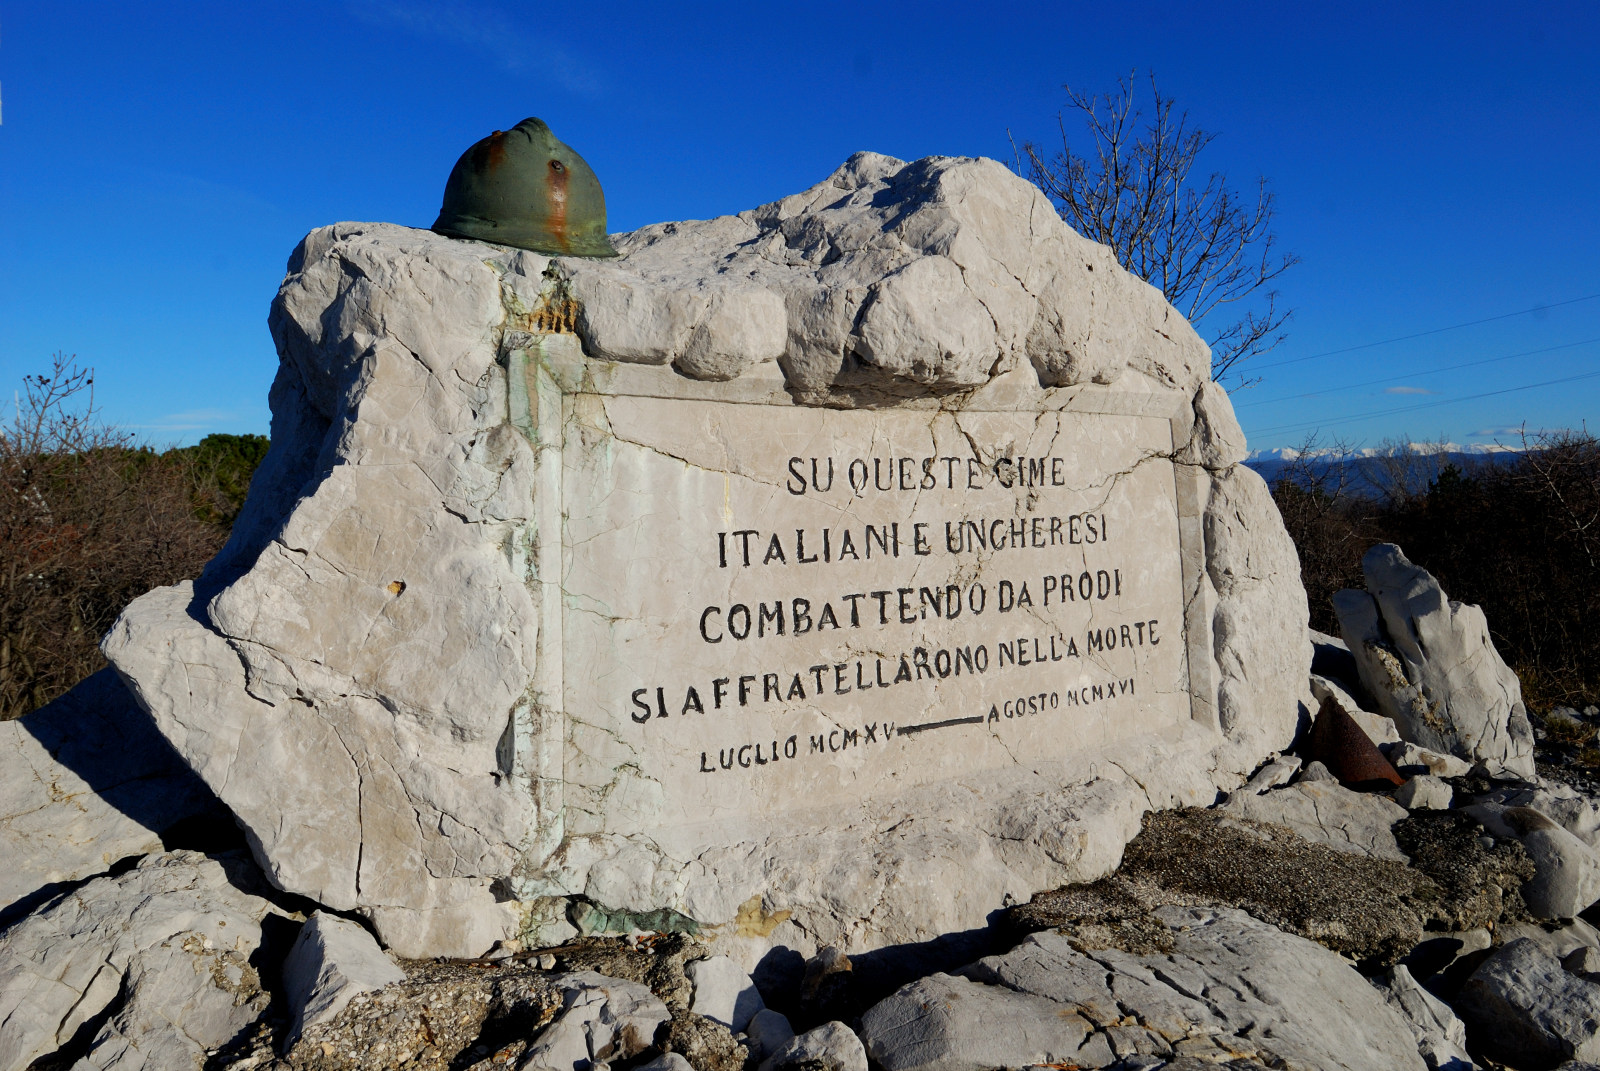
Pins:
<point x="556" y="177"/>
<point x="496" y="154"/>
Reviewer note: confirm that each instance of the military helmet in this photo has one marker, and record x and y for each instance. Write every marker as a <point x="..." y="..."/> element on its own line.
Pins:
<point x="524" y="187"/>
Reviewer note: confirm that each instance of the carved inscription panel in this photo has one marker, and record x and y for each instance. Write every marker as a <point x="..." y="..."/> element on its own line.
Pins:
<point x="769" y="607"/>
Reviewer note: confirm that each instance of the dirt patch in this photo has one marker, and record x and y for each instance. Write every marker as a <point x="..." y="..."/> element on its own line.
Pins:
<point x="443" y="1017"/>
<point x="704" y="1043"/>
<point x="656" y="961"/>
<point x="1478" y="885"/>
<point x="482" y="1016"/>
<point x="1372" y="910"/>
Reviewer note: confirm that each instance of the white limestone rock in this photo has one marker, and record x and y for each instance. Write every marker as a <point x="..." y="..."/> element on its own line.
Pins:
<point x="355" y="675"/>
<point x="829" y="1047"/>
<point x="667" y="1061"/>
<point x="1567" y="875"/>
<point x="601" y="1019"/>
<point x="1412" y="760"/>
<point x="333" y="961"/>
<point x="1432" y="667"/>
<point x="1569" y="808"/>
<point x="768" y="1032"/>
<point x="313" y="811"/>
<point x="86" y="781"/>
<point x="1379" y="729"/>
<point x="1424" y="793"/>
<point x="1258" y="624"/>
<point x="162" y="952"/>
<point x="1218" y="441"/>
<point x="945" y="1023"/>
<point x="1584" y="961"/>
<point x="1332" y="660"/>
<point x="1521" y="1007"/>
<point x="1316" y="771"/>
<point x="894" y="275"/>
<point x="1441" y="1037"/>
<point x="1561" y="941"/>
<point x="1231" y="987"/>
<point x="723" y="992"/>
<point x="1325" y="812"/>
<point x="1280" y="771"/>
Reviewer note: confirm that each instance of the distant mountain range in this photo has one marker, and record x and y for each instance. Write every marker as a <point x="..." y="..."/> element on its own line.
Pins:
<point x="1375" y="470"/>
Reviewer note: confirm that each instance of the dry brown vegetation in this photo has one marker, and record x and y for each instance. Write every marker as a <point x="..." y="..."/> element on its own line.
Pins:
<point x="1520" y="538"/>
<point x="89" y="520"/>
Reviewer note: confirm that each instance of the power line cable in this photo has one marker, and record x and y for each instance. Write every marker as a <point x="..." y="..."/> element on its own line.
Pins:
<point x="1423" y="334"/>
<point x="1414" y="375"/>
<point x="1427" y="405"/>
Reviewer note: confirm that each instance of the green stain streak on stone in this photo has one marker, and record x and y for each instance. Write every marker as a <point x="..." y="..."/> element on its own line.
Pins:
<point x="594" y="919"/>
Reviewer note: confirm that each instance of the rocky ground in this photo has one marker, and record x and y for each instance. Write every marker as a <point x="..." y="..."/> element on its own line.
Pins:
<point x="1360" y="902"/>
<point x="1293" y="925"/>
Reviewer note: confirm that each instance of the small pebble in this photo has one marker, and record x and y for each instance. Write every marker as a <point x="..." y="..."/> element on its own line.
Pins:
<point x="1583" y="960"/>
<point x="1316" y="771"/>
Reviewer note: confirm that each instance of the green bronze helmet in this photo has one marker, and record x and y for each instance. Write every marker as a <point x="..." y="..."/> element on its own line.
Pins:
<point x="523" y="187"/>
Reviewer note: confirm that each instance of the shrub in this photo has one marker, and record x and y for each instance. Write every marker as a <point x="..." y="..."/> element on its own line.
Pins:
<point x="89" y="520"/>
<point x="222" y="466"/>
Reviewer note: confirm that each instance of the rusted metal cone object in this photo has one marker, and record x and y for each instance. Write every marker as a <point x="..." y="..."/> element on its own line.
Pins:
<point x="525" y="187"/>
<point x="1338" y="743"/>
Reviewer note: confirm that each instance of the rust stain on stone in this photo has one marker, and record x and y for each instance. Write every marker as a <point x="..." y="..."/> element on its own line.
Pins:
<point x="752" y="921"/>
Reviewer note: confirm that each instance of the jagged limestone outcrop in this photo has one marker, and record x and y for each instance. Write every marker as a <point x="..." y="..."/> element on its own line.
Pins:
<point x="1431" y="665"/>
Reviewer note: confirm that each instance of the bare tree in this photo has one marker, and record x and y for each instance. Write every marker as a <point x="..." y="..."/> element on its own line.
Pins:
<point x="1205" y="245"/>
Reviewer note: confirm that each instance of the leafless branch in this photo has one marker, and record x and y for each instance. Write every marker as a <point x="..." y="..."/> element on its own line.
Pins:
<point x="1202" y="243"/>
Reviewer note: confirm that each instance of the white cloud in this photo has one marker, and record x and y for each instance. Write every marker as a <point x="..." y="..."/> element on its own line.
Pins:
<point x="486" y="29"/>
<point x="194" y="420"/>
<point x="1406" y="390"/>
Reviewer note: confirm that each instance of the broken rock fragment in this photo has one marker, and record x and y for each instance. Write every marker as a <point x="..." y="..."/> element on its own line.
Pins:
<point x="724" y="992"/>
<point x="85" y="782"/>
<point x="1522" y="1007"/>
<point x="1441" y="1037"/>
<point x="1567" y="878"/>
<point x="159" y="957"/>
<point x="333" y="959"/>
<point x="1231" y="987"/>
<point x="1432" y="667"/>
<point x="1325" y="812"/>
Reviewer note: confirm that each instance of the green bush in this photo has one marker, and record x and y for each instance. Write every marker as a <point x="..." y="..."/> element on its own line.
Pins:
<point x="222" y="466"/>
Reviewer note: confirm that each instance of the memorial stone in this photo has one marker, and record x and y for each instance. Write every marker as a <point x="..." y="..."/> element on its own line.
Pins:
<point x="825" y="574"/>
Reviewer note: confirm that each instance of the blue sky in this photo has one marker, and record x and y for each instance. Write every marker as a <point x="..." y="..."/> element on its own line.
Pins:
<point x="1434" y="164"/>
